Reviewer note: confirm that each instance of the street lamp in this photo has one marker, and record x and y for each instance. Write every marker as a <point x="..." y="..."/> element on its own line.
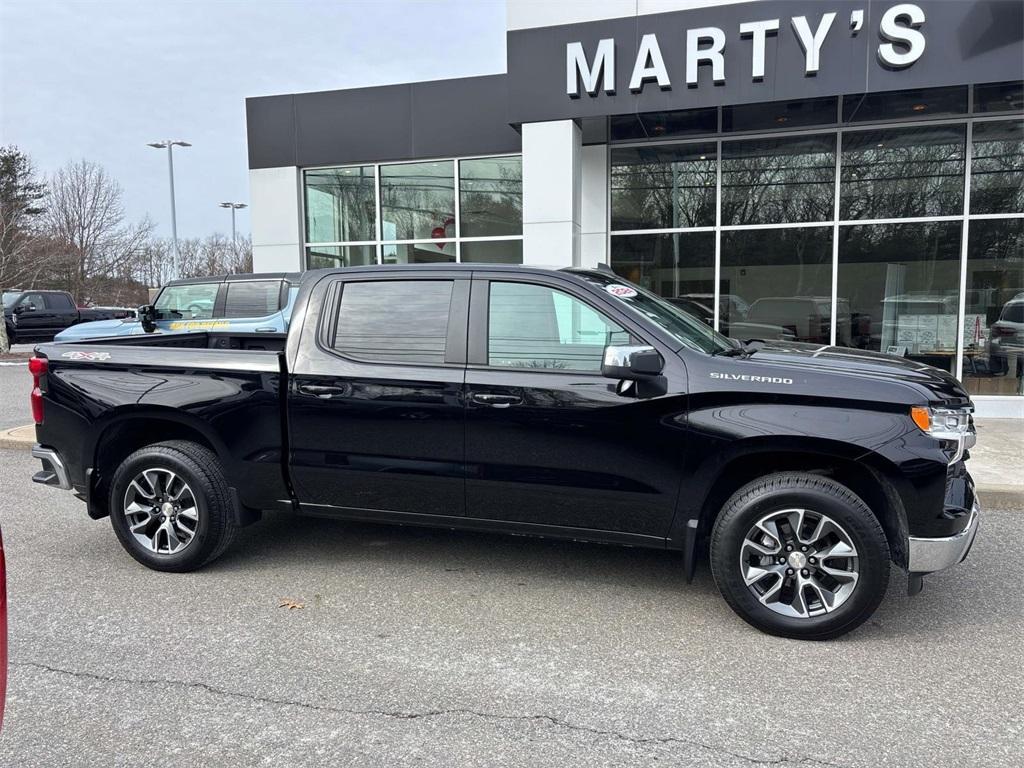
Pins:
<point x="169" y="145"/>
<point x="234" y="207"/>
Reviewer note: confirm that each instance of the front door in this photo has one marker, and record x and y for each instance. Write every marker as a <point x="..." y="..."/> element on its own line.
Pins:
<point x="35" y="319"/>
<point x="548" y="439"/>
<point x="375" y="405"/>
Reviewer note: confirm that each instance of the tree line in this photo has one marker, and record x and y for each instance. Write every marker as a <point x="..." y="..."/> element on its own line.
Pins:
<point x="70" y="232"/>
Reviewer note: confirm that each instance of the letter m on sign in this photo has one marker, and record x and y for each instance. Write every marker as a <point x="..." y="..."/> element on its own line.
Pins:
<point x="578" y="70"/>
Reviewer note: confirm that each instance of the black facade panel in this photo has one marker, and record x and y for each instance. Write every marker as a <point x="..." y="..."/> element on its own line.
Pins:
<point x="362" y="124"/>
<point x="441" y="118"/>
<point x="966" y="42"/>
<point x="270" y="131"/>
<point x="466" y="116"/>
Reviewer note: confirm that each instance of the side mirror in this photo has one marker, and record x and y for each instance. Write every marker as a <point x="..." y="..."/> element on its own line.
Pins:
<point x="631" y="363"/>
<point x="147" y="316"/>
<point x="26" y="307"/>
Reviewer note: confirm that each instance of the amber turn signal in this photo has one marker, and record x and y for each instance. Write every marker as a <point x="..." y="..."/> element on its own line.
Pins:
<point x="922" y="417"/>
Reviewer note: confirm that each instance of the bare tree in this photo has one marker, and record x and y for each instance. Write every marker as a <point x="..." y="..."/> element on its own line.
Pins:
<point x="22" y="196"/>
<point x="86" y="218"/>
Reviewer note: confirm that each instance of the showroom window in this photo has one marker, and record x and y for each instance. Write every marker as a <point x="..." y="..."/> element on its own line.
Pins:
<point x="900" y="230"/>
<point x="414" y="213"/>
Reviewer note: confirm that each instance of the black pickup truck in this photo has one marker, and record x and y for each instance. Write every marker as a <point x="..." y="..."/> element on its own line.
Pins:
<point x="38" y="315"/>
<point x="556" y="403"/>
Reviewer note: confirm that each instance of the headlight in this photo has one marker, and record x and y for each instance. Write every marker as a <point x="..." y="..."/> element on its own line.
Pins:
<point x="943" y="423"/>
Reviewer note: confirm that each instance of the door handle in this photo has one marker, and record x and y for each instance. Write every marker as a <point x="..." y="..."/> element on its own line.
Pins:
<point x="323" y="391"/>
<point x="265" y="330"/>
<point x="495" y="400"/>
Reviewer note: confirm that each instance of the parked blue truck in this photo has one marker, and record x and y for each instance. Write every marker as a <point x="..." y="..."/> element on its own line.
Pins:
<point x="250" y="303"/>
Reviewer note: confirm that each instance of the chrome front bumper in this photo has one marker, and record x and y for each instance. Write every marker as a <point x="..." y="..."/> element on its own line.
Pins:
<point x="54" y="472"/>
<point x="930" y="555"/>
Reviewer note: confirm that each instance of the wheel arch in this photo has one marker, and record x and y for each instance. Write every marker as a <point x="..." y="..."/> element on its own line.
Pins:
<point x="868" y="474"/>
<point x="127" y="430"/>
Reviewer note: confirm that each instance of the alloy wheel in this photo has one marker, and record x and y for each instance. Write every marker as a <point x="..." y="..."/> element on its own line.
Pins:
<point x="161" y="510"/>
<point x="799" y="563"/>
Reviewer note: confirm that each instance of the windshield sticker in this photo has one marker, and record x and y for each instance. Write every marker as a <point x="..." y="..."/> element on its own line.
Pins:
<point x="622" y="291"/>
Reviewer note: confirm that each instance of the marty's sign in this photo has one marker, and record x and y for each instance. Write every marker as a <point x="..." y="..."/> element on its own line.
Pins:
<point x="899" y="30"/>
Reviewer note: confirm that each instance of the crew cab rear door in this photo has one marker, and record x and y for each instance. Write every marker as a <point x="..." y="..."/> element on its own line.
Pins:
<point x="548" y="439"/>
<point x="376" y="420"/>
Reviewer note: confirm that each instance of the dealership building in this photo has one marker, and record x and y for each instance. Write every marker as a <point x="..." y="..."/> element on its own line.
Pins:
<point x="846" y="172"/>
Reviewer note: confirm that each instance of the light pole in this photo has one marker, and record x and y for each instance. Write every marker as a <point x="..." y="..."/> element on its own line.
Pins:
<point x="234" y="207"/>
<point x="169" y="145"/>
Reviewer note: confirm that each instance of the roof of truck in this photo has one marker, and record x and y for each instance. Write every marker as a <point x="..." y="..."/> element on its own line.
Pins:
<point x="291" y="277"/>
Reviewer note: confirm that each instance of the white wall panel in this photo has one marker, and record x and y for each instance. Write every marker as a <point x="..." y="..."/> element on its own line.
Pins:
<point x="274" y="195"/>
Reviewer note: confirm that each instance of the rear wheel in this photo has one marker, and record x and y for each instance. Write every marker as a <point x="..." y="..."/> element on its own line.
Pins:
<point x="170" y="506"/>
<point x="800" y="555"/>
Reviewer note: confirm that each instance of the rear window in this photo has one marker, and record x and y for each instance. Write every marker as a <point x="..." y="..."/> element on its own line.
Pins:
<point x="59" y="301"/>
<point x="394" y="321"/>
<point x="253" y="298"/>
<point x="1013" y="312"/>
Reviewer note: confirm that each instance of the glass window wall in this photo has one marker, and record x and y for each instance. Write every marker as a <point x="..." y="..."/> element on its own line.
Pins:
<point x="772" y="181"/>
<point x="340" y="205"/>
<point x="994" y="308"/>
<point x="414" y="219"/>
<point x="664" y="187"/>
<point x="777" y="284"/>
<point x="878" y="269"/>
<point x="901" y="172"/>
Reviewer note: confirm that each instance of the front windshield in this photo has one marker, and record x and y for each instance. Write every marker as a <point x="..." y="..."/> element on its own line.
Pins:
<point x="10" y="297"/>
<point x="687" y="329"/>
<point x="192" y="302"/>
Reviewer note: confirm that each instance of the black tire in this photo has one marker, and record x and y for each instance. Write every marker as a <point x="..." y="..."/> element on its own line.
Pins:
<point x="202" y="471"/>
<point x="802" y="491"/>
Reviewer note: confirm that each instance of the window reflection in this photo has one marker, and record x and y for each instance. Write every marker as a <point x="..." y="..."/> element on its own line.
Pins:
<point x="994" y="308"/>
<point x="773" y="115"/>
<point x="324" y="256"/>
<point x="901" y="282"/>
<point x="997" y="167"/>
<point x="896" y="105"/>
<point x="492" y="251"/>
<point x="999" y="97"/>
<point x="769" y="181"/>
<point x="339" y="204"/>
<point x="777" y="284"/>
<point x="417" y="201"/>
<point x="491" y="196"/>
<point x="663" y="187"/>
<point x="662" y="125"/>
<point x="417" y="253"/>
<point x="902" y="172"/>
<point x="680" y="267"/>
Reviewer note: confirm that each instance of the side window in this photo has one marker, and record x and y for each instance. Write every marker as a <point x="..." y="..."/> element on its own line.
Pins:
<point x="59" y="302"/>
<point x="187" y="302"/>
<point x="533" y="326"/>
<point x="394" y="321"/>
<point x="253" y="298"/>
<point x="35" y="300"/>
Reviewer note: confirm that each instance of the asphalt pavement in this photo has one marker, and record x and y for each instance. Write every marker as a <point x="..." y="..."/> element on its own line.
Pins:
<point x="15" y="385"/>
<point x="420" y="648"/>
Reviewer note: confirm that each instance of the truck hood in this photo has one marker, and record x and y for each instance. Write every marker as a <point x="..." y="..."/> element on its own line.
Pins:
<point x="96" y="329"/>
<point x="814" y="359"/>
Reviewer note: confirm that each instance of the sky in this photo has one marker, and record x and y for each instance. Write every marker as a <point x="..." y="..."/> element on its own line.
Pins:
<point x="98" y="79"/>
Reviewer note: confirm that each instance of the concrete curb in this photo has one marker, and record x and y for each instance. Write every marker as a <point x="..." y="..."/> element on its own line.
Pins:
<point x="18" y="437"/>
<point x="991" y="494"/>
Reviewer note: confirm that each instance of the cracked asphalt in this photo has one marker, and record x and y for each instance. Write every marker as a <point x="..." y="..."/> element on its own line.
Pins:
<point x="422" y="648"/>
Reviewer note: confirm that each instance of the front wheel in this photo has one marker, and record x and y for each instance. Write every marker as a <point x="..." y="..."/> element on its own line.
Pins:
<point x="800" y="555"/>
<point x="170" y="506"/>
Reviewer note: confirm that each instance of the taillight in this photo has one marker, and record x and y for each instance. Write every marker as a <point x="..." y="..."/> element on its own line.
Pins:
<point x="37" y="366"/>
